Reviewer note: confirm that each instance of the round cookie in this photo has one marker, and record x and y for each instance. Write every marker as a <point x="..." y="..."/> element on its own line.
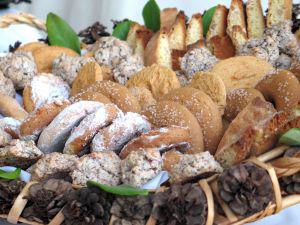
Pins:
<point x="213" y="86"/>
<point x="90" y="96"/>
<point x="117" y="94"/>
<point x="241" y="71"/>
<point x="168" y="113"/>
<point x="158" y="79"/>
<point x="281" y="88"/>
<point x="31" y="47"/>
<point x="143" y="95"/>
<point x="237" y="99"/>
<point x="205" y="111"/>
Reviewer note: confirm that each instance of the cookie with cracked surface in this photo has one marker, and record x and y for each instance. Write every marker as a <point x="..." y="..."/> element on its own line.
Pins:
<point x="143" y="95"/>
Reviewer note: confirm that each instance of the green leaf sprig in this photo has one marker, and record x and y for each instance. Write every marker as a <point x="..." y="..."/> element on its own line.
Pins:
<point x="122" y="29"/>
<point x="124" y="190"/>
<point x="151" y="15"/>
<point x="207" y="18"/>
<point x="291" y="137"/>
<point x="10" y="175"/>
<point x="60" y="33"/>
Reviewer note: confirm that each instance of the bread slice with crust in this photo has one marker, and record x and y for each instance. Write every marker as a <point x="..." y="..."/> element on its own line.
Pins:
<point x="222" y="47"/>
<point x="131" y="37"/>
<point x="158" y="50"/>
<point x="218" y="23"/>
<point x="168" y="17"/>
<point x="238" y="36"/>
<point x="279" y="10"/>
<point x="255" y="19"/>
<point x="236" y="17"/>
<point x="194" y="30"/>
<point x="177" y="33"/>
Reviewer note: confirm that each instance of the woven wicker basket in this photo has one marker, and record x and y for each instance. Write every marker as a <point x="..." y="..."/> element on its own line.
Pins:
<point x="276" y="165"/>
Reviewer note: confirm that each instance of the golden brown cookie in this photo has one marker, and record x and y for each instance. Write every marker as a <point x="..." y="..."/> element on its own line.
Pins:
<point x="161" y="139"/>
<point x="241" y="71"/>
<point x="237" y="99"/>
<point x="31" y="47"/>
<point x="90" y="96"/>
<point x="42" y="117"/>
<point x="87" y="75"/>
<point x="168" y="113"/>
<point x="10" y="107"/>
<point x="45" y="56"/>
<point x="143" y="95"/>
<point x="282" y="88"/>
<point x="205" y="111"/>
<point x="117" y="94"/>
<point x="213" y="86"/>
<point x="158" y="79"/>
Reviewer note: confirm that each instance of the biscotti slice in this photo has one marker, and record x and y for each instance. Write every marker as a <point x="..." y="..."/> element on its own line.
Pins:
<point x="158" y="50"/>
<point x="19" y="154"/>
<point x="238" y="37"/>
<point x="222" y="47"/>
<point x="168" y="17"/>
<point x="236" y="17"/>
<point x="83" y="134"/>
<point x="142" y="38"/>
<point x="194" y="31"/>
<point x="279" y="10"/>
<point x="177" y="33"/>
<point x="54" y="136"/>
<point x="36" y="121"/>
<point x="255" y="19"/>
<point x="218" y="23"/>
<point x="131" y="37"/>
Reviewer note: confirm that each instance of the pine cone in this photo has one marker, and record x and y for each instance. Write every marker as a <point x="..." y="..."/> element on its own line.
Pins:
<point x="133" y="210"/>
<point x="291" y="184"/>
<point x="246" y="188"/>
<point x="9" y="191"/>
<point x="296" y="17"/>
<point x="180" y="204"/>
<point x="46" y="199"/>
<point x="92" y="33"/>
<point x="88" y="206"/>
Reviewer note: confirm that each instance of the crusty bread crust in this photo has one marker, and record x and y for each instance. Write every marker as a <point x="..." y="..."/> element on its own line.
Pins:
<point x="219" y="23"/>
<point x="177" y="33"/>
<point x="279" y="10"/>
<point x="194" y="30"/>
<point x="236" y="16"/>
<point x="168" y="17"/>
<point x="255" y="19"/>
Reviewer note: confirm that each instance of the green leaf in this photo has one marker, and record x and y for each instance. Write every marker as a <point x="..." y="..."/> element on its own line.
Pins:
<point x="10" y="175"/>
<point x="122" y="29"/>
<point x="125" y="190"/>
<point x="151" y="15"/>
<point x="61" y="34"/>
<point x="291" y="137"/>
<point x="206" y="19"/>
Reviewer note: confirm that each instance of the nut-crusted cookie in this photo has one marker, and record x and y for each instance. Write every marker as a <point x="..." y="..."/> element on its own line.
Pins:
<point x="37" y="120"/>
<point x="122" y="130"/>
<point x="45" y="88"/>
<point x="139" y="167"/>
<point x="20" y="154"/>
<point x="168" y="113"/>
<point x="161" y="139"/>
<point x="205" y="111"/>
<point x="117" y="94"/>
<point x="6" y="86"/>
<point x="83" y="134"/>
<point x="87" y="75"/>
<point x="103" y="167"/>
<point x="54" y="136"/>
<point x="213" y="86"/>
<point x="158" y="79"/>
<point x="143" y="95"/>
<point x="53" y="165"/>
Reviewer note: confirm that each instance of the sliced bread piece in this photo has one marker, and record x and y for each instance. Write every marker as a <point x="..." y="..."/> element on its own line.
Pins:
<point x="218" y="24"/>
<point x="194" y="30"/>
<point x="236" y="17"/>
<point x="238" y="37"/>
<point x="255" y="19"/>
<point x="168" y="17"/>
<point x="158" y="50"/>
<point x="142" y="38"/>
<point x="131" y="37"/>
<point x="222" y="47"/>
<point x="279" y="10"/>
<point x="177" y="33"/>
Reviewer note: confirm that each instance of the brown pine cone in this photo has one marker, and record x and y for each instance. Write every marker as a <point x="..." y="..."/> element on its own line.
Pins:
<point x="88" y="206"/>
<point x="291" y="184"/>
<point x="46" y="199"/>
<point x="131" y="210"/>
<point x="246" y="188"/>
<point x="9" y="191"/>
<point x="180" y="205"/>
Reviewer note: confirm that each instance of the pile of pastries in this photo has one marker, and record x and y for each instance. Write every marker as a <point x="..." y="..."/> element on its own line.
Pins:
<point x="173" y="101"/>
